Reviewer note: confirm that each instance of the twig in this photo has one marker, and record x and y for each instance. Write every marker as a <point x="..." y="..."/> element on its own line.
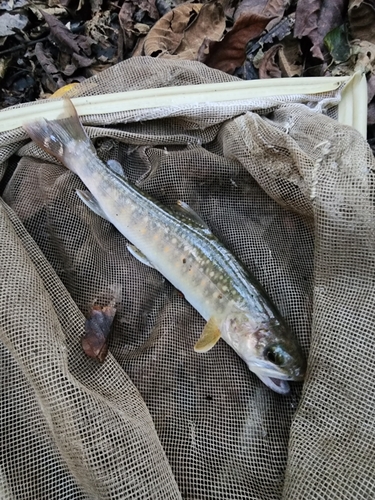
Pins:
<point x="22" y="46"/>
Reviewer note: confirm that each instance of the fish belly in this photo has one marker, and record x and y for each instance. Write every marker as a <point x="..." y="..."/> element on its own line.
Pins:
<point x="173" y="249"/>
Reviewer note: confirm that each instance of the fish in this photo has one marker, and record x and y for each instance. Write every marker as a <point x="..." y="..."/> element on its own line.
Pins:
<point x="178" y="243"/>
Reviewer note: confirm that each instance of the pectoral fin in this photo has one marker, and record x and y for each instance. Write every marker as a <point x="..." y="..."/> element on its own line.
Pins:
<point x="210" y="335"/>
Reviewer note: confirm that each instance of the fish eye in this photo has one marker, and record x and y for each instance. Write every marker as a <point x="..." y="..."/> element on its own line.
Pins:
<point x="273" y="355"/>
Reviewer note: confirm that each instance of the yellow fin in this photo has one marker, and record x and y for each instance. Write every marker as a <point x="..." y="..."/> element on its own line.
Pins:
<point x="210" y="335"/>
<point x="63" y="90"/>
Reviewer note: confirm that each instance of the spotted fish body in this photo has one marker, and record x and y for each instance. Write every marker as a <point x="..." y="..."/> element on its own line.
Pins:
<point x="181" y="247"/>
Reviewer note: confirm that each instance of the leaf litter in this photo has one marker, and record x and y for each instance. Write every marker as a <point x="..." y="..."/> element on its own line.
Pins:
<point x="47" y="44"/>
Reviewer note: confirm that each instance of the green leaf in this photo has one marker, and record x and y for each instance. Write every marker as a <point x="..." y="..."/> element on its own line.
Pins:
<point x="337" y="43"/>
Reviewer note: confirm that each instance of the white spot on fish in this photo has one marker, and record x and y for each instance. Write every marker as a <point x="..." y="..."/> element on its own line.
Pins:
<point x="225" y="288"/>
<point x="174" y="241"/>
<point x="212" y="274"/>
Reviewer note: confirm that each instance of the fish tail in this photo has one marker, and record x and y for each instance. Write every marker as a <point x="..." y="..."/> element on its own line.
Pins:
<point x="59" y="137"/>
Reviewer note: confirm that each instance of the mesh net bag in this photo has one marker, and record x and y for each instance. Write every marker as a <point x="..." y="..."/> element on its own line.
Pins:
<point x="290" y="192"/>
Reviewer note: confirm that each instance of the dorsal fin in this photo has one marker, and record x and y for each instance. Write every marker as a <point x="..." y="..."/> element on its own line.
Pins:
<point x="187" y="211"/>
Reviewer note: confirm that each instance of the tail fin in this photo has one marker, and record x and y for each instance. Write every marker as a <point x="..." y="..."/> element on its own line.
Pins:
<point x="58" y="137"/>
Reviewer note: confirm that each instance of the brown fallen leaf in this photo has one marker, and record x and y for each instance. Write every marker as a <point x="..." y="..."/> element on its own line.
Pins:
<point x="230" y="52"/>
<point x="362" y="19"/>
<point x="371" y="100"/>
<point x="268" y="67"/>
<point x="125" y="18"/>
<point x="364" y="54"/>
<point x="370" y="88"/>
<point x="209" y="24"/>
<point x="371" y="114"/>
<point x="55" y="80"/>
<point x="274" y="9"/>
<point x="362" y="59"/>
<point x="66" y="40"/>
<point x="166" y="35"/>
<point x="138" y="49"/>
<point x="59" y="3"/>
<point x="97" y="329"/>
<point x="290" y="58"/>
<point x="99" y="28"/>
<point x="315" y="18"/>
<point x="130" y="10"/>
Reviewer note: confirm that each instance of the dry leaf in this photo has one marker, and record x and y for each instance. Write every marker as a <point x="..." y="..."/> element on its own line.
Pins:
<point x="371" y="114"/>
<point x="210" y="24"/>
<point x="370" y="88"/>
<point x="290" y="58"/>
<point x="315" y="18"/>
<point x="99" y="28"/>
<point x="125" y="18"/>
<point x="138" y="49"/>
<point x="370" y="100"/>
<point x="268" y="67"/>
<point x="141" y="28"/>
<point x="364" y="53"/>
<point x="362" y="59"/>
<point x="181" y="32"/>
<point x="229" y="53"/>
<point x="274" y="9"/>
<point x="46" y="61"/>
<point x="97" y="329"/>
<point x="132" y="12"/>
<point x="68" y="41"/>
<point x="165" y="36"/>
<point x="149" y="7"/>
<point x="362" y="19"/>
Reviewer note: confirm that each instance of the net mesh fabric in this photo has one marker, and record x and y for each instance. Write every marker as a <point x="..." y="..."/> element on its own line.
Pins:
<point x="290" y="192"/>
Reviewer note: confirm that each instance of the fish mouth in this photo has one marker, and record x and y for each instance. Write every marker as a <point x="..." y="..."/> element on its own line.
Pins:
<point x="276" y="384"/>
<point x="275" y="380"/>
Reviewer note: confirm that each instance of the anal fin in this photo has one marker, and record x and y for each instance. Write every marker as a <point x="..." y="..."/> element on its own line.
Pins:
<point x="139" y="255"/>
<point x="210" y="336"/>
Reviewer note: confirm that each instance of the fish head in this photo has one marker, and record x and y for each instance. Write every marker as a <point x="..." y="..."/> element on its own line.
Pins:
<point x="268" y="348"/>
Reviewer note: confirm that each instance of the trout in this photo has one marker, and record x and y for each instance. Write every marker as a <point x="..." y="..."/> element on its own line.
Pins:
<point x="179" y="244"/>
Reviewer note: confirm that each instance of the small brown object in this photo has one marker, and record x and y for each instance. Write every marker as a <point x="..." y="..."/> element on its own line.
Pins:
<point x="97" y="329"/>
